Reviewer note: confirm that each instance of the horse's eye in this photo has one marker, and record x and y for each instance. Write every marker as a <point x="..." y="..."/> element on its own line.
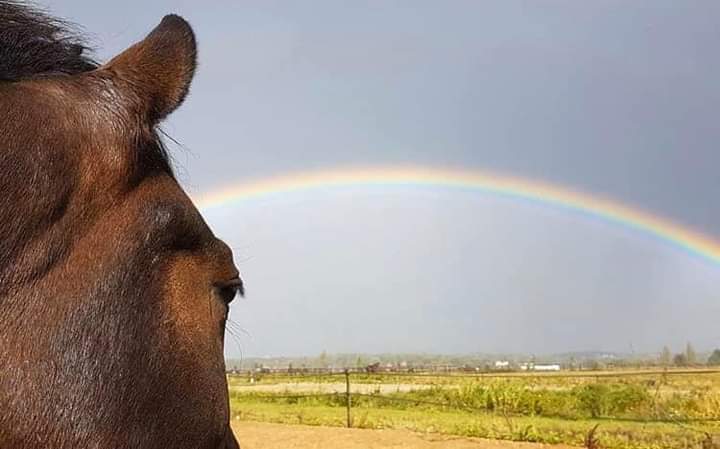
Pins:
<point x="229" y="290"/>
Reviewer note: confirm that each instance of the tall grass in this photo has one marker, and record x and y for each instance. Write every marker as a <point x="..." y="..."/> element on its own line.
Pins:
<point x="633" y="411"/>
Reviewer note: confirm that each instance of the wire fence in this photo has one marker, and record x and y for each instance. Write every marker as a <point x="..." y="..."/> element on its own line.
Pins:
<point x="348" y="396"/>
<point x="459" y="373"/>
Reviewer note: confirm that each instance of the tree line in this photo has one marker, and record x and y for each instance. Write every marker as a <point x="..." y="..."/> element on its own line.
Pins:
<point x="687" y="358"/>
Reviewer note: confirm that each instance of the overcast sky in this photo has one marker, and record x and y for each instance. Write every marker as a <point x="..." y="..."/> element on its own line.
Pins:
<point x="616" y="98"/>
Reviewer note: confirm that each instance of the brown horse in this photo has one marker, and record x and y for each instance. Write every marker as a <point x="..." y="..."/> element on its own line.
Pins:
<point x="113" y="291"/>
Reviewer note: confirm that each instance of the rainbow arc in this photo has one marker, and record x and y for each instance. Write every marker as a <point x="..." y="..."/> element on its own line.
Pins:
<point x="510" y="187"/>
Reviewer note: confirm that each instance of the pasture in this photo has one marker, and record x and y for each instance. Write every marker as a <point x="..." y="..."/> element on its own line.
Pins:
<point x="632" y="409"/>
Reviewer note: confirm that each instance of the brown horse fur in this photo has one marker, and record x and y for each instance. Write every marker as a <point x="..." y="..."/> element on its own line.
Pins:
<point x="113" y="290"/>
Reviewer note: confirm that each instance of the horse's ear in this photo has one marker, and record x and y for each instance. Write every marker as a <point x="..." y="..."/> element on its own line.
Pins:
<point x="155" y="74"/>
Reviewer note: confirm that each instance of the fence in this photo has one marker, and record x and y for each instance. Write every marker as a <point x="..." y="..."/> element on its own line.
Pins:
<point x="348" y="396"/>
<point x="441" y="371"/>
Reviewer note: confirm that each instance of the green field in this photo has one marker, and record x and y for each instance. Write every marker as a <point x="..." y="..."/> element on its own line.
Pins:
<point x="673" y="409"/>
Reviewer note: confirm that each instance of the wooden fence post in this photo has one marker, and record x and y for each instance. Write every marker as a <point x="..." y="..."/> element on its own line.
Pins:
<point x="347" y="397"/>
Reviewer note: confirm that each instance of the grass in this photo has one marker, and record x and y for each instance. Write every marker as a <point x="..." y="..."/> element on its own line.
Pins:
<point x="631" y="411"/>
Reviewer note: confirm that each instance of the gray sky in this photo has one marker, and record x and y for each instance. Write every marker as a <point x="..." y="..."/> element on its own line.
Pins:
<point x="617" y="98"/>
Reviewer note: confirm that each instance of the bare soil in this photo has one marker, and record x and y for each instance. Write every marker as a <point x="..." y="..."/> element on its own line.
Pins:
<point x="255" y="435"/>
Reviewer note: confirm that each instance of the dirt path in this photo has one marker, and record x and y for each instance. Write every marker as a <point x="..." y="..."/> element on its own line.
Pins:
<point x="254" y="435"/>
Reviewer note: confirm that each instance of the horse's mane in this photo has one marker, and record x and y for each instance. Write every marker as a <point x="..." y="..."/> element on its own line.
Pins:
<point x="33" y="43"/>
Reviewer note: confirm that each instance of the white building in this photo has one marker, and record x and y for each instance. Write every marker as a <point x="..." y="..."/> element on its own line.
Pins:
<point x="548" y="367"/>
<point x="539" y="366"/>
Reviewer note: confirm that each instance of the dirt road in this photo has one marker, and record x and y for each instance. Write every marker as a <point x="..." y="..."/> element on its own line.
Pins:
<point x="254" y="435"/>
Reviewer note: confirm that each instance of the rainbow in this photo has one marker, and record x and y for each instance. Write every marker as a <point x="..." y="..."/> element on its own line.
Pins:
<point x="596" y="206"/>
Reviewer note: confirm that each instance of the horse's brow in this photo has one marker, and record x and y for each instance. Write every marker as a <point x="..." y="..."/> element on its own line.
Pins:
<point x="166" y="223"/>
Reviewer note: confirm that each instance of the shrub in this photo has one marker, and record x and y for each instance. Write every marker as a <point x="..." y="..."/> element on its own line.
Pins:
<point x="599" y="400"/>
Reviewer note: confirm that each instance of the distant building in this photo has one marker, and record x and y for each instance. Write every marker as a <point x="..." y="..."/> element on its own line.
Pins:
<point x="502" y="364"/>
<point x="549" y="367"/>
<point x="539" y="366"/>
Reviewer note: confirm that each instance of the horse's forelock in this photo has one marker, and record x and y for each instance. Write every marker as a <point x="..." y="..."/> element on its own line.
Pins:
<point x="33" y="43"/>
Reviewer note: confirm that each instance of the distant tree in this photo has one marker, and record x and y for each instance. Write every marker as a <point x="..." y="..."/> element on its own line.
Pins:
<point x="359" y="362"/>
<point x="714" y="359"/>
<point x="690" y="354"/>
<point x="680" y="359"/>
<point x="593" y="365"/>
<point x="665" y="356"/>
<point x="322" y="360"/>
